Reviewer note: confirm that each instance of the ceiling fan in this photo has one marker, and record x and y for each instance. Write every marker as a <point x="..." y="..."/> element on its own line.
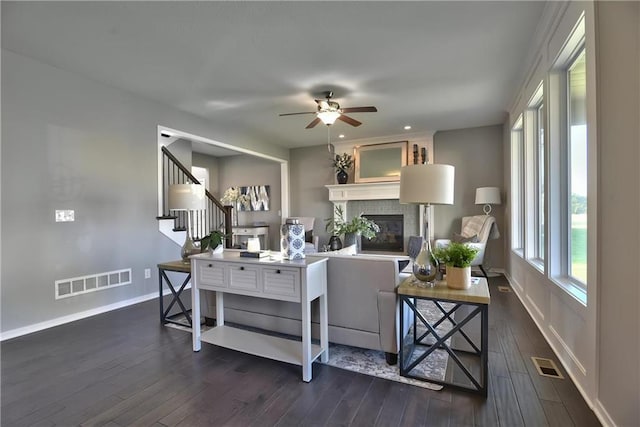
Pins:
<point x="329" y="111"/>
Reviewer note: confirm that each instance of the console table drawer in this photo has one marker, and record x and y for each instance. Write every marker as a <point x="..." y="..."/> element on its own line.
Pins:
<point x="281" y="282"/>
<point x="212" y="274"/>
<point x="244" y="278"/>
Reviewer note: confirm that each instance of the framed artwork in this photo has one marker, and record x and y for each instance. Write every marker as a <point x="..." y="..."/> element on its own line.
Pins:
<point x="258" y="197"/>
<point x="380" y="162"/>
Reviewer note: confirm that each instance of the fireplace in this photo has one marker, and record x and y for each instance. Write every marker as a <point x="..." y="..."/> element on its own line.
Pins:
<point x="390" y="238"/>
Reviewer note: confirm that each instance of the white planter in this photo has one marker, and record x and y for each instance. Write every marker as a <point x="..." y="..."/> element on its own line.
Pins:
<point x="458" y="278"/>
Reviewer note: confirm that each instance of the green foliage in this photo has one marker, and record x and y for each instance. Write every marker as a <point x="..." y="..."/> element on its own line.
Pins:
<point x="456" y="254"/>
<point x="212" y="240"/>
<point x="358" y="225"/>
<point x="578" y="204"/>
<point x="342" y="162"/>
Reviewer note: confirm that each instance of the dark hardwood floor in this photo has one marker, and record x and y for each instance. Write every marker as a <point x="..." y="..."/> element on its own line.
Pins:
<point x="122" y="368"/>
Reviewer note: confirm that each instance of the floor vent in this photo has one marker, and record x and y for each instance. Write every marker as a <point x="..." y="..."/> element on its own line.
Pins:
<point x="504" y="288"/>
<point x="546" y="367"/>
<point x="66" y="288"/>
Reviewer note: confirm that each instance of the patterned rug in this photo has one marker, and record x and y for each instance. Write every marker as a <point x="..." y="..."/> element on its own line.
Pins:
<point x="373" y="362"/>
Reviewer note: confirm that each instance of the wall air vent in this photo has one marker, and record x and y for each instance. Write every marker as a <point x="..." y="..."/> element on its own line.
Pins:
<point x="66" y="288"/>
<point x="504" y="289"/>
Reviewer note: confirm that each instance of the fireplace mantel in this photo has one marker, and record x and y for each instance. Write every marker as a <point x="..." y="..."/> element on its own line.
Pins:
<point x="364" y="191"/>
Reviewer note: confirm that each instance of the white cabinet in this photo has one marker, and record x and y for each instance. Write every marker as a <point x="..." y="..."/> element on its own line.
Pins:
<point x="300" y="281"/>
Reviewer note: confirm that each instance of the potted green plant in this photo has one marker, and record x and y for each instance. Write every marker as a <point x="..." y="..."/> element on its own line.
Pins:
<point x="212" y="240"/>
<point x="458" y="258"/>
<point x="351" y="230"/>
<point x="342" y="163"/>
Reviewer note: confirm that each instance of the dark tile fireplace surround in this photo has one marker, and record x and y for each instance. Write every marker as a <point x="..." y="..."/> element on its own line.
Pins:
<point x="397" y="222"/>
<point x="391" y="235"/>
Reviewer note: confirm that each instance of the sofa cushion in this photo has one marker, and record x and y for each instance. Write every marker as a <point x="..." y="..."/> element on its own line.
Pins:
<point x="349" y="250"/>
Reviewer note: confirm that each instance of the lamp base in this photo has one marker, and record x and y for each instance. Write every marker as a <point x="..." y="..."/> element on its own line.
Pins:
<point x="189" y="248"/>
<point x="424" y="268"/>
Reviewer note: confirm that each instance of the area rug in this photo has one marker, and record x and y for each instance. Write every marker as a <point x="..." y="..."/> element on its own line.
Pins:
<point x="373" y="362"/>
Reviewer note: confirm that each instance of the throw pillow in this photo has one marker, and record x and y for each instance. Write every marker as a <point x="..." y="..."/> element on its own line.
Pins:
<point x="349" y="250"/>
<point x="459" y="238"/>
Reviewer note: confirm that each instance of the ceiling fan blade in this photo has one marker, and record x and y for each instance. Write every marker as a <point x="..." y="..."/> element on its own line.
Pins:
<point x="295" y="114"/>
<point x="349" y="120"/>
<point x="313" y="123"/>
<point x="360" y="110"/>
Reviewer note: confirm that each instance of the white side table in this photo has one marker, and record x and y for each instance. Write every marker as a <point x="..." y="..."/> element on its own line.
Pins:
<point x="261" y="231"/>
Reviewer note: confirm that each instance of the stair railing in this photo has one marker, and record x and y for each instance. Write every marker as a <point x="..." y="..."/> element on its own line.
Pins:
<point x="215" y="217"/>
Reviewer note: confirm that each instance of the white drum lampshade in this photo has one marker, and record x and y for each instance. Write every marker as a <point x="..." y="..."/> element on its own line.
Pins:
<point x="186" y="197"/>
<point x="427" y="184"/>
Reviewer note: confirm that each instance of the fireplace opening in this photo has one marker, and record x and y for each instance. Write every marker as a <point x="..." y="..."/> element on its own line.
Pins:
<point x="390" y="238"/>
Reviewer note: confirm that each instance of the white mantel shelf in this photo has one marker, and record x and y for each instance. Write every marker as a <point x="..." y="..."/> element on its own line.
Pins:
<point x="365" y="191"/>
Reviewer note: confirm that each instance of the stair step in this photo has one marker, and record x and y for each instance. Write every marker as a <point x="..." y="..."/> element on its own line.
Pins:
<point x="167" y="217"/>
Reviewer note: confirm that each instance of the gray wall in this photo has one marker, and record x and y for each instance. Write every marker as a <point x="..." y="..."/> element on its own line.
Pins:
<point x="310" y="169"/>
<point x="212" y="164"/>
<point x="477" y="156"/>
<point x="244" y="170"/>
<point x="618" y="94"/>
<point x="71" y="143"/>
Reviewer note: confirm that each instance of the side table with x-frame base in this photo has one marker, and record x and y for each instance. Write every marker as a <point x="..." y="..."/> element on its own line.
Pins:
<point x="477" y="300"/>
<point x="180" y="267"/>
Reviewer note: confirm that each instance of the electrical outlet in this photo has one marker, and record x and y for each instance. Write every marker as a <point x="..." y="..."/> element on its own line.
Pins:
<point x="147" y="273"/>
<point x="66" y="215"/>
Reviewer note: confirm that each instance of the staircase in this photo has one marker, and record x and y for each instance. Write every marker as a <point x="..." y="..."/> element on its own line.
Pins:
<point x="214" y="217"/>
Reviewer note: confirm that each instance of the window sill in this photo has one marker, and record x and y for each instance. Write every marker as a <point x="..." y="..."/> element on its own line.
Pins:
<point x="537" y="263"/>
<point x="576" y="292"/>
<point x="518" y="251"/>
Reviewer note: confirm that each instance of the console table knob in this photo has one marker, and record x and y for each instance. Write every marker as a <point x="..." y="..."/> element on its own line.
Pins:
<point x="241" y="268"/>
<point x="277" y="271"/>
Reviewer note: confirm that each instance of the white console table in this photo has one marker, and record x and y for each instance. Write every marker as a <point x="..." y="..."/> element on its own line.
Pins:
<point x="300" y="281"/>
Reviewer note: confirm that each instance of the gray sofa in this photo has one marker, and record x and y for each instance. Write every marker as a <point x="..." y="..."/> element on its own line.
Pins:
<point x="363" y="310"/>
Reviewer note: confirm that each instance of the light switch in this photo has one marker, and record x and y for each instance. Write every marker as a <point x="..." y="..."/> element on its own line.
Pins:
<point x="66" y="215"/>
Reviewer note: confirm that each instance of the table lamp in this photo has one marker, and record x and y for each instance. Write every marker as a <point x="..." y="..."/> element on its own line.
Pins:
<point x="426" y="184"/>
<point x="189" y="198"/>
<point x="487" y="196"/>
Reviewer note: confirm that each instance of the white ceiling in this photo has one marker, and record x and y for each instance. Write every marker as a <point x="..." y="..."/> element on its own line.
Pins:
<point x="433" y="65"/>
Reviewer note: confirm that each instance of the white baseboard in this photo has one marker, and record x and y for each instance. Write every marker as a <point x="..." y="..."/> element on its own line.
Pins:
<point x="603" y="415"/>
<point x="13" y="333"/>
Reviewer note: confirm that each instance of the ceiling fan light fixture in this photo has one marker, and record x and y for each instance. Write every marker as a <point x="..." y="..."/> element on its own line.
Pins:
<point x="328" y="117"/>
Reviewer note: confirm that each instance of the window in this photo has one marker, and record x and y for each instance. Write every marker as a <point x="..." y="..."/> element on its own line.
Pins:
<point x="539" y="196"/>
<point x="553" y="161"/>
<point x="577" y="167"/>
<point x="517" y="186"/>
<point x="535" y="178"/>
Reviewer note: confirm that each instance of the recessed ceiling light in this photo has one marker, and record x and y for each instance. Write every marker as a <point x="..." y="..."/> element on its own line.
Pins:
<point x="407" y="127"/>
<point x="341" y="135"/>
